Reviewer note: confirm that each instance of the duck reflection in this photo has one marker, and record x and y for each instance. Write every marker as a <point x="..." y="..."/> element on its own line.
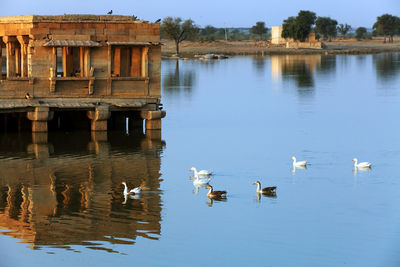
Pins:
<point x="293" y="170"/>
<point x="211" y="200"/>
<point x="68" y="191"/>
<point x="197" y="187"/>
<point x="268" y="195"/>
<point x="356" y="170"/>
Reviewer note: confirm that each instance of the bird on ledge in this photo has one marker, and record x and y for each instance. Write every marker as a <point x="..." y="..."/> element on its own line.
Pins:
<point x="109" y="12"/>
<point x="28" y="96"/>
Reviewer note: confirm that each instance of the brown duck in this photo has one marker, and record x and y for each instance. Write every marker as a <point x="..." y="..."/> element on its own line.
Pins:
<point x="215" y="194"/>
<point x="265" y="190"/>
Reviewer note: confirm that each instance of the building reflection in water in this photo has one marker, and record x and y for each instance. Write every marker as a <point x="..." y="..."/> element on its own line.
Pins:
<point x="301" y="69"/>
<point x="59" y="190"/>
<point x="297" y="67"/>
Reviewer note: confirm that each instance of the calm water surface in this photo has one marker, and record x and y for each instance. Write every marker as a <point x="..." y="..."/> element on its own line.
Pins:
<point x="61" y="201"/>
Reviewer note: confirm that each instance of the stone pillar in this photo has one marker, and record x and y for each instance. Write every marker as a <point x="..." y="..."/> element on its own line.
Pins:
<point x="87" y="67"/>
<point x="153" y="118"/>
<point x="17" y="60"/>
<point x="1" y="58"/>
<point x="10" y="47"/>
<point x="145" y="61"/>
<point x="39" y="118"/>
<point x="99" y="118"/>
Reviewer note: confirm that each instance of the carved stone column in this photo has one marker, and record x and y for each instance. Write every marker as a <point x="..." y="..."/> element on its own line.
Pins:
<point x="99" y="118"/>
<point x="10" y="47"/>
<point x="1" y="57"/>
<point x="39" y="118"/>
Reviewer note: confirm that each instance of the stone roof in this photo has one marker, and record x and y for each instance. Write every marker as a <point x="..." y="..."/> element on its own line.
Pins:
<point x="59" y="43"/>
<point x="71" y="18"/>
<point x="69" y="103"/>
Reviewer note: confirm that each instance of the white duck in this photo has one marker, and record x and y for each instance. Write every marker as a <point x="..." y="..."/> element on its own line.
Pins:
<point x="296" y="163"/>
<point x="361" y="165"/>
<point x="200" y="173"/>
<point x="134" y="191"/>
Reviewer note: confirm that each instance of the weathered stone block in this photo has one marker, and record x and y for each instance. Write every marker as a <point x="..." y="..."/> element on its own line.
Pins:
<point x="100" y="113"/>
<point x="153" y="115"/>
<point x="153" y="124"/>
<point x="40" y="114"/>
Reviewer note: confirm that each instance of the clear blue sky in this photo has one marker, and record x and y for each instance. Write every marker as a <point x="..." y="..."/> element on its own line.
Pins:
<point x="218" y="13"/>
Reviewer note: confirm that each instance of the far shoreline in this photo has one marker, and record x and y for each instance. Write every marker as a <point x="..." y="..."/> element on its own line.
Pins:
<point x="241" y="48"/>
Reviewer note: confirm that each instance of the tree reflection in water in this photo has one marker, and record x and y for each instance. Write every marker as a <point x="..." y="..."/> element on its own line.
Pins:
<point x="55" y="196"/>
<point x="259" y="62"/>
<point x="387" y="66"/>
<point x="301" y="69"/>
<point x="176" y="80"/>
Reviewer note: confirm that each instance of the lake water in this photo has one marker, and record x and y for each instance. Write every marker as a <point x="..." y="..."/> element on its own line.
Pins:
<point x="61" y="201"/>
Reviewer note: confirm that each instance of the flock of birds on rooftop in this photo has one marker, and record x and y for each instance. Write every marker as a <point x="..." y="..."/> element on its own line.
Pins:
<point x="202" y="179"/>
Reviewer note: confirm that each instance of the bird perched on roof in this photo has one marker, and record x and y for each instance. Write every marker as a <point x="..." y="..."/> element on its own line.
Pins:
<point x="28" y="96"/>
<point x="157" y="21"/>
<point x="109" y="12"/>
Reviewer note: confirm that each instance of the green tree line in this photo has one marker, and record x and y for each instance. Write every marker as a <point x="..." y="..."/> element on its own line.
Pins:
<point x="297" y="28"/>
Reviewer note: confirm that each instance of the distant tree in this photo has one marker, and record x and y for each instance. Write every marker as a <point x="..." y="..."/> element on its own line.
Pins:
<point x="387" y="25"/>
<point x="289" y="27"/>
<point x="343" y="29"/>
<point x="298" y="27"/>
<point x="223" y="33"/>
<point x="304" y="21"/>
<point x="361" y="33"/>
<point x="326" y="27"/>
<point x="175" y="29"/>
<point x="208" y="30"/>
<point x="237" y="35"/>
<point x="259" y="29"/>
<point x="208" y="33"/>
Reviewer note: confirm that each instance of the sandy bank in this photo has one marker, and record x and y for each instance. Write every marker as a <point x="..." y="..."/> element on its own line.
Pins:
<point x="352" y="46"/>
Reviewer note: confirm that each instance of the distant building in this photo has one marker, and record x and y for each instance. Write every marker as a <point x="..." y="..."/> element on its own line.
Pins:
<point x="277" y="39"/>
<point x="276" y="36"/>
